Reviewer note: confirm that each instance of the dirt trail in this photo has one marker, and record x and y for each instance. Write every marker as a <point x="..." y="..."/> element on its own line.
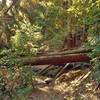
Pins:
<point x="68" y="87"/>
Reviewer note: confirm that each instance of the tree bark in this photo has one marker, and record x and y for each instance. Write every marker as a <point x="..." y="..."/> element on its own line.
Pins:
<point x="80" y="50"/>
<point x="53" y="60"/>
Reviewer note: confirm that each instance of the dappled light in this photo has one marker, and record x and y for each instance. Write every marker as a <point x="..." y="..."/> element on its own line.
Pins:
<point x="49" y="49"/>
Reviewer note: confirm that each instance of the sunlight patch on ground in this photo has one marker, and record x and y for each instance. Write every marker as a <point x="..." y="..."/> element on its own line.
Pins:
<point x="67" y="87"/>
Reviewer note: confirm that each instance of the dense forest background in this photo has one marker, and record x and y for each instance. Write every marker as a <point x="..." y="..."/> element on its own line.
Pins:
<point x="28" y="27"/>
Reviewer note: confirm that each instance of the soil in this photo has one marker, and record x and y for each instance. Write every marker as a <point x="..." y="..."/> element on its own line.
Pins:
<point x="70" y="86"/>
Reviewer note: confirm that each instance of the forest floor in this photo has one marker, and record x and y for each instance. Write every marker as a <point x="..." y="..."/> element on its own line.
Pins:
<point x="70" y="86"/>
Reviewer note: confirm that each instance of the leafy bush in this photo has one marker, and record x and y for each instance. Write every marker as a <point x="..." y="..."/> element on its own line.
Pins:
<point x="16" y="81"/>
<point x="26" y="38"/>
<point x="93" y="21"/>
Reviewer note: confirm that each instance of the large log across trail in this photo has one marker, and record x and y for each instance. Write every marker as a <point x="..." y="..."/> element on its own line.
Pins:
<point x="56" y="59"/>
<point x="77" y="51"/>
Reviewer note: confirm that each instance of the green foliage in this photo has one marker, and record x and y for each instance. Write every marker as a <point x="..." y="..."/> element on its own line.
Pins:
<point x="39" y="23"/>
<point x="93" y="21"/>
<point x="7" y="58"/>
<point x="96" y="72"/>
<point x="27" y="37"/>
<point x="16" y="81"/>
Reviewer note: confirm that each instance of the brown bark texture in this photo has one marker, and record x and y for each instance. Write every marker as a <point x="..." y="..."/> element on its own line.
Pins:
<point x="56" y="59"/>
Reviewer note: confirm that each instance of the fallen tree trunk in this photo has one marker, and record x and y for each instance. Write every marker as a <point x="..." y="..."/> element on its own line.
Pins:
<point x="53" y="60"/>
<point x="80" y="50"/>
